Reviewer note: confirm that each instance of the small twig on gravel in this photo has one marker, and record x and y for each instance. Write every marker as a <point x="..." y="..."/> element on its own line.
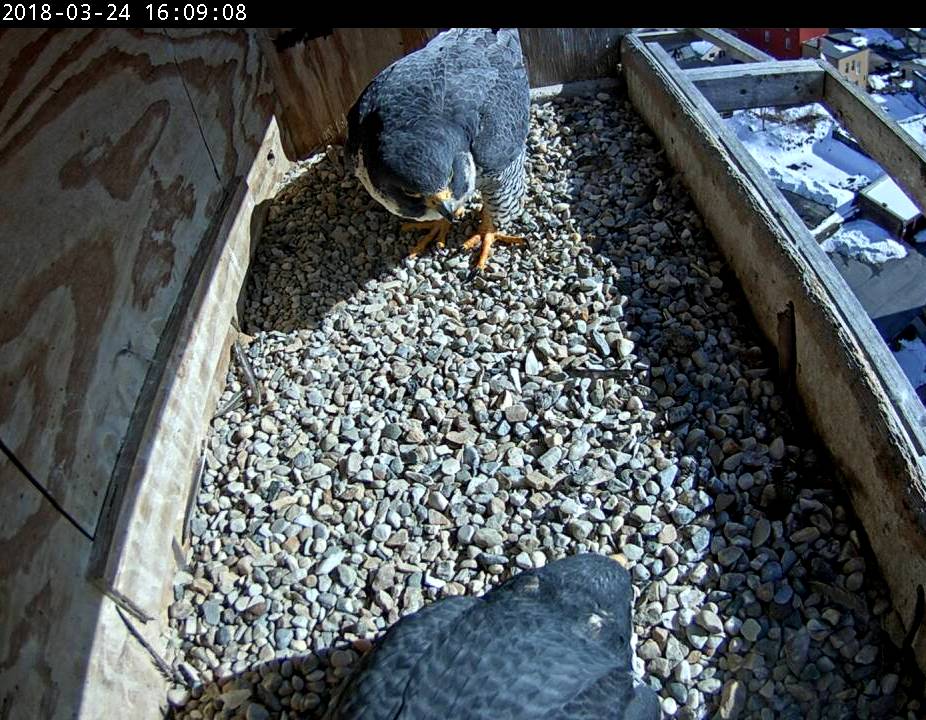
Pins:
<point x="701" y="271"/>
<point x="256" y="396"/>
<point x="234" y="403"/>
<point x="605" y="373"/>
<point x="191" y="500"/>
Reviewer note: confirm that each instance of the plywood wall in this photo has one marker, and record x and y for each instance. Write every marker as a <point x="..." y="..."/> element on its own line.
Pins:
<point x="318" y="79"/>
<point x="563" y="55"/>
<point x="109" y="188"/>
<point x="122" y="154"/>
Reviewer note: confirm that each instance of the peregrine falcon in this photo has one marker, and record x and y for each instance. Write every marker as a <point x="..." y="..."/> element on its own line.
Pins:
<point x="548" y="643"/>
<point x="440" y="123"/>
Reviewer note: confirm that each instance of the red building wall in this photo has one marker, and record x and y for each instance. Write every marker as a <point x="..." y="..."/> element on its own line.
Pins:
<point x="782" y="43"/>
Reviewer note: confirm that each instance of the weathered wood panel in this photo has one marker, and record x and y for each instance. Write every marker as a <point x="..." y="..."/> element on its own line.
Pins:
<point x="667" y="36"/>
<point x="230" y="92"/>
<point x="127" y="162"/>
<point x="880" y="136"/>
<point x="41" y="557"/>
<point x="107" y="189"/>
<point x="561" y="55"/>
<point x="851" y="386"/>
<point x="781" y="84"/>
<point x="165" y="466"/>
<point x="317" y="80"/>
<point x="64" y="651"/>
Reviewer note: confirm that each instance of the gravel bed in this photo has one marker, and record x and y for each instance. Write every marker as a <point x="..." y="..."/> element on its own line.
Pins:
<point x="424" y="432"/>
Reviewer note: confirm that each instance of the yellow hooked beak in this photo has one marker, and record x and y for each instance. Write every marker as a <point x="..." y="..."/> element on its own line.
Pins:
<point x="442" y="201"/>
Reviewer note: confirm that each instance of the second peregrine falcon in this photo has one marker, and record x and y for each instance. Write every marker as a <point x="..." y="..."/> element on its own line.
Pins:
<point x="551" y="643"/>
<point x="441" y="123"/>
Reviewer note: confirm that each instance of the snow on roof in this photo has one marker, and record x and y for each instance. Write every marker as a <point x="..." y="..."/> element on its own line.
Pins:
<point x="832" y="48"/>
<point x="796" y="149"/>
<point x="703" y="47"/>
<point x="859" y="41"/>
<point x="865" y="241"/>
<point x="879" y="36"/>
<point x="911" y="356"/>
<point x="836" y="218"/>
<point x="920" y="237"/>
<point x="915" y="126"/>
<point x="844" y="158"/>
<point x="900" y="105"/>
<point x="888" y="194"/>
<point x="876" y="82"/>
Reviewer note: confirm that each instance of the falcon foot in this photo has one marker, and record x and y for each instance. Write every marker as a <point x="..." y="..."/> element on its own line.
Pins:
<point x="488" y="237"/>
<point x="436" y="231"/>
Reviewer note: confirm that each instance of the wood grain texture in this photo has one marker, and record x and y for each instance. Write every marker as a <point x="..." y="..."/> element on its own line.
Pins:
<point x="851" y="387"/>
<point x="41" y="556"/>
<point x="64" y="652"/>
<point x="563" y="55"/>
<point x="165" y="466"/>
<point x="107" y="188"/>
<point x="127" y="165"/>
<point x="229" y="89"/>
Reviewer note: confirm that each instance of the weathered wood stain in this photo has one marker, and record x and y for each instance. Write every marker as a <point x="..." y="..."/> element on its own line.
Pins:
<point x="111" y="201"/>
<point x="120" y="155"/>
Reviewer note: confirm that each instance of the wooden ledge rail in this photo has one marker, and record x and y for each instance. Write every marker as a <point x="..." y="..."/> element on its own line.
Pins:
<point x="861" y="404"/>
<point x="766" y="84"/>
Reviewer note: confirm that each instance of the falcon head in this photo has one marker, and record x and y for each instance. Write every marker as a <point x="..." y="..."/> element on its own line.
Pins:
<point x="422" y="171"/>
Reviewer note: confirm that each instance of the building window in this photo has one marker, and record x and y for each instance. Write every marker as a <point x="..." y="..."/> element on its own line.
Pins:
<point x="787" y="43"/>
<point x="767" y="36"/>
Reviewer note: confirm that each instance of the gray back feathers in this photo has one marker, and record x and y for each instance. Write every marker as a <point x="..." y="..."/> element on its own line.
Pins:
<point x="470" y="82"/>
<point x="549" y="643"/>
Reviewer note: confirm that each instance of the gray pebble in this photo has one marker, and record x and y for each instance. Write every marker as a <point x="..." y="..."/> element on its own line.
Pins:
<point x="487" y="538"/>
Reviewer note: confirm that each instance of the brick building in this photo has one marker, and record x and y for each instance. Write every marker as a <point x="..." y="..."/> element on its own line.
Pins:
<point x="782" y="43"/>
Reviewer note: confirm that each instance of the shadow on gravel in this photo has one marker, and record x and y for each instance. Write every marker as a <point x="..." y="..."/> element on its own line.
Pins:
<point x="757" y="597"/>
<point x="325" y="238"/>
<point x="287" y="688"/>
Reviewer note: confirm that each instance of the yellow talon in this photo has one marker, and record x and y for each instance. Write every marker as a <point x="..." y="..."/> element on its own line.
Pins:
<point x="488" y="236"/>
